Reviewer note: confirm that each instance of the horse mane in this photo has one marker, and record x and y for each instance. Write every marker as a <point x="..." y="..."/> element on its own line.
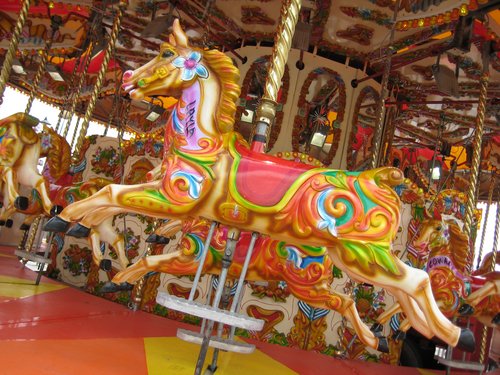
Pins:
<point x="459" y="246"/>
<point x="59" y="155"/>
<point x="229" y="76"/>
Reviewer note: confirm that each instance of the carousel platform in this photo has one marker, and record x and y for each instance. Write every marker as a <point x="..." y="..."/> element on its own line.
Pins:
<point x="56" y="329"/>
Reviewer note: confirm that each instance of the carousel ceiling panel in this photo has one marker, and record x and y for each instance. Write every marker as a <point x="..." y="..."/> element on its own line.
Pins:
<point x="358" y="29"/>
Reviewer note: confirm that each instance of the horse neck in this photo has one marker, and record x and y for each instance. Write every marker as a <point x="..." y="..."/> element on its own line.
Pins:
<point x="193" y="118"/>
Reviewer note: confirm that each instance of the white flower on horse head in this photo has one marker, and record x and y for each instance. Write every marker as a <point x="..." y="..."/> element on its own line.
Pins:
<point x="190" y="66"/>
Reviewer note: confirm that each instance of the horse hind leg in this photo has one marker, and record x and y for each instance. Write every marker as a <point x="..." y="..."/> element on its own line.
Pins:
<point x="416" y="284"/>
<point x="175" y="263"/>
<point x="414" y="314"/>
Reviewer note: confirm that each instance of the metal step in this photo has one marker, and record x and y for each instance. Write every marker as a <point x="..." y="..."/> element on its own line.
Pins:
<point x="216" y="342"/>
<point x="32" y="257"/>
<point x="440" y="356"/>
<point x="209" y="312"/>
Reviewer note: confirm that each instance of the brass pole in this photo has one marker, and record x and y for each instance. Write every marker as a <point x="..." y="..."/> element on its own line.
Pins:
<point x="266" y="112"/>
<point x="476" y="153"/>
<point x="69" y="94"/>
<point x="486" y="214"/>
<point x="377" y="137"/>
<point x="484" y="336"/>
<point x="100" y="79"/>
<point x="39" y="73"/>
<point x="32" y="233"/>
<point x="9" y="56"/>
<point x="77" y="124"/>
<point x="78" y="91"/>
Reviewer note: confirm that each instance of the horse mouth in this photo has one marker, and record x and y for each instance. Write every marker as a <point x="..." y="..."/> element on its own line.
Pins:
<point x="133" y="91"/>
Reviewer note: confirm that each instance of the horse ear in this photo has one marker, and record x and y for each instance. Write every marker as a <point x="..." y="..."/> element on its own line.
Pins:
<point x="179" y="35"/>
<point x="172" y="41"/>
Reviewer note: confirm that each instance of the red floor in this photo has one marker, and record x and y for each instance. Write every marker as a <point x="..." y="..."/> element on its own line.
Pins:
<point x="56" y="329"/>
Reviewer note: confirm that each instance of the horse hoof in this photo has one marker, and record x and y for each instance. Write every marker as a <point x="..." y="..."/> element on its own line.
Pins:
<point x="56" y="224"/>
<point x="78" y="231"/>
<point x="56" y="210"/>
<point x="154" y="238"/>
<point x="466" y="342"/>
<point x="21" y="203"/>
<point x="163" y="240"/>
<point x="2" y="223"/>
<point x="111" y="287"/>
<point x="376" y="327"/>
<point x="466" y="310"/>
<point x="8" y="223"/>
<point x="24" y="226"/>
<point x="399" y="335"/>
<point x="105" y="265"/>
<point x="383" y="345"/>
<point x="496" y="319"/>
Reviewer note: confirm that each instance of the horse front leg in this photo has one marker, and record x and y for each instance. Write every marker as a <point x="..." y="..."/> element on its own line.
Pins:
<point x="106" y="233"/>
<point x="109" y="201"/>
<point x="29" y="176"/>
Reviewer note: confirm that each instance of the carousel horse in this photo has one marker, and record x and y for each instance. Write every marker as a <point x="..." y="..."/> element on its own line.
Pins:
<point x="20" y="149"/>
<point x="209" y="171"/>
<point x="446" y="247"/>
<point x="307" y="270"/>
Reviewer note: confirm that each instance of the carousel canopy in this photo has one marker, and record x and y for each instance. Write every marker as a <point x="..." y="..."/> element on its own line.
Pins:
<point x="437" y="54"/>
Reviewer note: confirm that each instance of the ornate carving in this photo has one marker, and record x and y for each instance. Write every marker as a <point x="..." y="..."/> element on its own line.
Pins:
<point x="255" y="15"/>
<point x="357" y="33"/>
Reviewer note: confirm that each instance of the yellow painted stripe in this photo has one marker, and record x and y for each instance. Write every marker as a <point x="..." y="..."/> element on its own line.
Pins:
<point x="13" y="287"/>
<point x="174" y="356"/>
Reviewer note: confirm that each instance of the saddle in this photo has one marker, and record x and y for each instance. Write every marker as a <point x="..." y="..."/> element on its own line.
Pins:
<point x="263" y="179"/>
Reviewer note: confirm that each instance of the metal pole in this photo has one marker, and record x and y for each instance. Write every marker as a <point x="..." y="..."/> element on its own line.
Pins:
<point x="266" y="112"/>
<point x="100" y="79"/>
<point x="78" y="91"/>
<point x="41" y="67"/>
<point x="486" y="215"/>
<point x="9" y="57"/>
<point x="482" y="350"/>
<point x="476" y="153"/>
<point x="232" y="239"/>
<point x="206" y="247"/>
<point x="377" y="137"/>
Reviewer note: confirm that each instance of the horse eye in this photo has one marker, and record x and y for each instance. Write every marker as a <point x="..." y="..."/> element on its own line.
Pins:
<point x="439" y="227"/>
<point x="167" y="54"/>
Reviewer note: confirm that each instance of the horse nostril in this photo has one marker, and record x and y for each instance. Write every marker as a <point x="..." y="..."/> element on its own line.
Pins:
<point x="128" y="74"/>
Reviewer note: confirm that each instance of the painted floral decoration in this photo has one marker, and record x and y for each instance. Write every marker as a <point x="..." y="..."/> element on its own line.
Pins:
<point x="191" y="66"/>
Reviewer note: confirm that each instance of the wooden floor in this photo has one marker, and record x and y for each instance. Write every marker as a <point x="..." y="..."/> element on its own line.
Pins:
<point x="56" y="329"/>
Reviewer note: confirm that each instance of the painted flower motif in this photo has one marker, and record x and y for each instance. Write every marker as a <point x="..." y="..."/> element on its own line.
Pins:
<point x="191" y="66"/>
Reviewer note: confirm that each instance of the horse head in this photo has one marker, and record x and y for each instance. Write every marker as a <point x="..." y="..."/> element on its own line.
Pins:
<point x="176" y="67"/>
<point x="58" y="153"/>
<point x="433" y="235"/>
